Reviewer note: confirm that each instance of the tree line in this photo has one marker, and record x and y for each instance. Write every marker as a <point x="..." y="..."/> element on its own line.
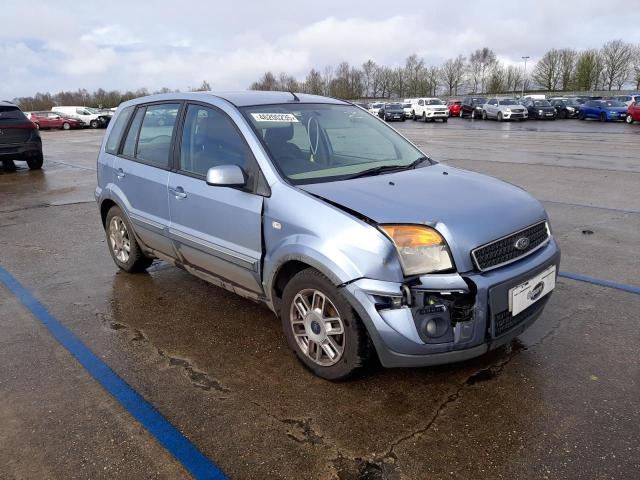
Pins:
<point x="610" y="67"/>
<point x="615" y="65"/>
<point x="99" y="98"/>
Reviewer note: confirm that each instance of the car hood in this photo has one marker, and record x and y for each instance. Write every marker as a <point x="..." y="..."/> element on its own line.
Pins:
<point x="467" y="208"/>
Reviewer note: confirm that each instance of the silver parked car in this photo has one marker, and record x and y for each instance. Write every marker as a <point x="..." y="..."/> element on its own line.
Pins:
<point x="504" y="109"/>
<point x="357" y="240"/>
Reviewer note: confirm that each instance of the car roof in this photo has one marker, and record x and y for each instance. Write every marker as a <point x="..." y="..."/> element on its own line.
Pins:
<point x="243" y="98"/>
<point x="6" y="103"/>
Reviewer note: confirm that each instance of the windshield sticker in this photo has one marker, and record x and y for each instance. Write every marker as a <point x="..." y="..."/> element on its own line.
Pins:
<point x="274" y="117"/>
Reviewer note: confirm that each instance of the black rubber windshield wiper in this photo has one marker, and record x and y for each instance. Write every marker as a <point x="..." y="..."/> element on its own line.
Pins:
<point x="389" y="168"/>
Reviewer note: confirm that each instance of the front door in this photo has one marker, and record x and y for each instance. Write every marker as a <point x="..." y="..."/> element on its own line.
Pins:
<point x="217" y="230"/>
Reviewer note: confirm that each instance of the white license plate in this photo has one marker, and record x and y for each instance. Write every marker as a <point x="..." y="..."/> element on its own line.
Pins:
<point x="529" y="292"/>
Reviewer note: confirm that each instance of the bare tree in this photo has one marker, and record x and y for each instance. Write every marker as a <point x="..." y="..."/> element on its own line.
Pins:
<point x="513" y="78"/>
<point x="368" y="77"/>
<point x="480" y="62"/>
<point x="451" y="73"/>
<point x="616" y="60"/>
<point x="568" y="57"/>
<point x="327" y="78"/>
<point x="314" y="83"/>
<point x="400" y="81"/>
<point x="496" y="82"/>
<point x="415" y="72"/>
<point x="636" y="66"/>
<point x="547" y="71"/>
<point x="431" y="81"/>
<point x="267" y="82"/>
<point x="204" y="87"/>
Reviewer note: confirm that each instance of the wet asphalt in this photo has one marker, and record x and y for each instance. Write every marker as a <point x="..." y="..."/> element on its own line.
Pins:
<point x="561" y="401"/>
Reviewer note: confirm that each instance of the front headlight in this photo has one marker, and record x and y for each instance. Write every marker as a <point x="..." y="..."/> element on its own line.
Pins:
<point x="507" y="110"/>
<point x="540" y="112"/>
<point x="421" y="249"/>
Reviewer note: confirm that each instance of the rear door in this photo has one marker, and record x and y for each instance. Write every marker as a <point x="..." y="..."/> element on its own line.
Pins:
<point x="217" y="230"/>
<point x="141" y="172"/>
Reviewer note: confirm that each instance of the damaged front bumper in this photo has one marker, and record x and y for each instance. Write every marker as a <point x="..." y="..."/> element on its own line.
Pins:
<point x="447" y="318"/>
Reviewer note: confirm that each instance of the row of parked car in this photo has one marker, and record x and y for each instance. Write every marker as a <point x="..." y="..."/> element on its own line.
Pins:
<point x="618" y="108"/>
<point x="67" y="118"/>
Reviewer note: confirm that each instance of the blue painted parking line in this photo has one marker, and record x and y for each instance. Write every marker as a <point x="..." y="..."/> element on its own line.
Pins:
<point x="158" y="426"/>
<point x="598" y="281"/>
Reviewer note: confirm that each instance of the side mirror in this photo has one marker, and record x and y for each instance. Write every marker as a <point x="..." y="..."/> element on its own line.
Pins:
<point x="226" y="176"/>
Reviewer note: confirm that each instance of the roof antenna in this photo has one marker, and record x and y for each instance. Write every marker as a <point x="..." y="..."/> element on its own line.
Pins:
<point x="295" y="97"/>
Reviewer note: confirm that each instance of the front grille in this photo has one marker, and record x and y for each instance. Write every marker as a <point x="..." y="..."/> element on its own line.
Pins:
<point x="503" y="250"/>
<point x="504" y="321"/>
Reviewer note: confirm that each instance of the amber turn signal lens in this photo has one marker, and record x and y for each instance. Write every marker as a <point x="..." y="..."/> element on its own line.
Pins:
<point x="413" y="236"/>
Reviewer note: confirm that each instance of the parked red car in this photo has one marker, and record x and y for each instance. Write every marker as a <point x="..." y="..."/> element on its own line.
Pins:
<point x="54" y="120"/>
<point x="633" y="113"/>
<point x="454" y="107"/>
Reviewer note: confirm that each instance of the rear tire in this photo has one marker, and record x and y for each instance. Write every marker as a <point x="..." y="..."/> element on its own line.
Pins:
<point x="93" y="124"/>
<point x="313" y="341"/>
<point x="66" y="126"/>
<point x="120" y="237"/>
<point x="35" y="163"/>
<point x="37" y="126"/>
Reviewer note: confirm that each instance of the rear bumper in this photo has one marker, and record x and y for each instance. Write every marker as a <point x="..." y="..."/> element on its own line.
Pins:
<point x="20" y="151"/>
<point x="398" y="333"/>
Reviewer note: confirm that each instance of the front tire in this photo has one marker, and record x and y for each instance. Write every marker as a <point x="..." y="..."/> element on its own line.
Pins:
<point x="124" y="248"/>
<point x="66" y="126"/>
<point x="603" y="117"/>
<point x="93" y="124"/>
<point x="322" y="328"/>
<point x="444" y="120"/>
<point x="581" y="116"/>
<point x="484" y="115"/>
<point x="629" y="119"/>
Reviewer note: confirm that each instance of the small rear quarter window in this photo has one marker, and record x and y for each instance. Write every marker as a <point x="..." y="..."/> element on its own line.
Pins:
<point x="113" y="142"/>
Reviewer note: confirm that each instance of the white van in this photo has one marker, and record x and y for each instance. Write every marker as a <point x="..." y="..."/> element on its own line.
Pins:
<point x="88" y="116"/>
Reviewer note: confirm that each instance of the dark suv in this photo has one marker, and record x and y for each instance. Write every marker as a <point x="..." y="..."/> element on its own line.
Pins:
<point x="472" y="107"/>
<point x="19" y="138"/>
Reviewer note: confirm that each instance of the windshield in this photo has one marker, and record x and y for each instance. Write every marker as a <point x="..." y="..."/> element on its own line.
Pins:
<point x="571" y="102"/>
<point x="541" y="103"/>
<point x="478" y="100"/>
<point x="310" y="143"/>
<point x="508" y="101"/>
<point x="377" y="105"/>
<point x="614" y="103"/>
<point x="406" y="105"/>
<point x="394" y="105"/>
<point x="435" y="101"/>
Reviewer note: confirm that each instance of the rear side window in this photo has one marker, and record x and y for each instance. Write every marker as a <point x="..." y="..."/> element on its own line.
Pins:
<point x="118" y="128"/>
<point x="154" y="141"/>
<point x="129" y="148"/>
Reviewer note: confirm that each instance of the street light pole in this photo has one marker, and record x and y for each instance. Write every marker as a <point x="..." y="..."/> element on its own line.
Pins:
<point x="524" y="75"/>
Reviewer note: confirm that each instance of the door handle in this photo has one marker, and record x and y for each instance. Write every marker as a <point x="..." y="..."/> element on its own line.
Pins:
<point x="120" y="173"/>
<point x="178" y="192"/>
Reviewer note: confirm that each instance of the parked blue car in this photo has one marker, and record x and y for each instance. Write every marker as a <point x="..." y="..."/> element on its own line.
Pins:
<point x="358" y="241"/>
<point x="603" y="110"/>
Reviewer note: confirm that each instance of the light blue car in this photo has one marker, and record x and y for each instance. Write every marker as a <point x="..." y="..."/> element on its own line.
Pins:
<point x="357" y="240"/>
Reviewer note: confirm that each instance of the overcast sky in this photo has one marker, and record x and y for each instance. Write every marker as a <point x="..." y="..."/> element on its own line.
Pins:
<point x="51" y="46"/>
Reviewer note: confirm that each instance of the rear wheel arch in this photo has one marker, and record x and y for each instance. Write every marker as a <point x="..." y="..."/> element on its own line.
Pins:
<point x="105" y="206"/>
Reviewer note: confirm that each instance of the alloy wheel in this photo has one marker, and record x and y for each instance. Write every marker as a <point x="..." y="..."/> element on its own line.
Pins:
<point x="317" y="327"/>
<point x="119" y="239"/>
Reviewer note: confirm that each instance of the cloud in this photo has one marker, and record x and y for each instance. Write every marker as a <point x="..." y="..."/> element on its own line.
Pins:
<point x="160" y="43"/>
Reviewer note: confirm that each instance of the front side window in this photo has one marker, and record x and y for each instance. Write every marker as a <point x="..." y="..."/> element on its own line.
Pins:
<point x="154" y="141"/>
<point x="210" y="139"/>
<point x="311" y="143"/>
<point x="113" y="142"/>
